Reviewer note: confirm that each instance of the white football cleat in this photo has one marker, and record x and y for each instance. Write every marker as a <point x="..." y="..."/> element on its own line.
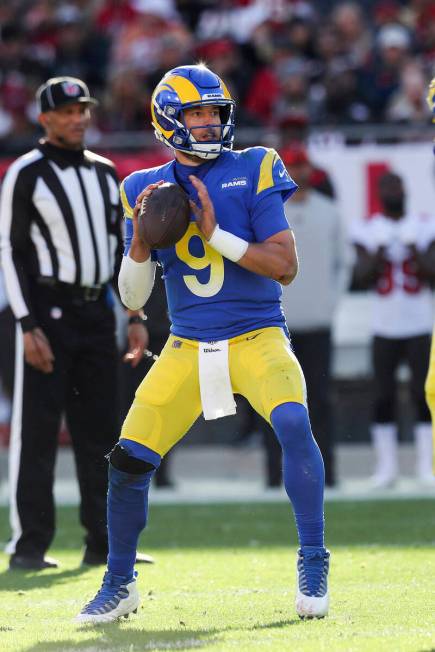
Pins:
<point x="117" y="597"/>
<point x="312" y="599"/>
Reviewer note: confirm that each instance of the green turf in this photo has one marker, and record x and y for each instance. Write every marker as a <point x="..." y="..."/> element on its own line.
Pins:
<point x="224" y="580"/>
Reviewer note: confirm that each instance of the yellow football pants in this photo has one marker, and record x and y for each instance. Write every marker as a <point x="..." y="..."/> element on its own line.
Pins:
<point x="262" y="366"/>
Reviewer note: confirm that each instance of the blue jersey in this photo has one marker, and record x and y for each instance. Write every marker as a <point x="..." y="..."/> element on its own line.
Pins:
<point x="210" y="297"/>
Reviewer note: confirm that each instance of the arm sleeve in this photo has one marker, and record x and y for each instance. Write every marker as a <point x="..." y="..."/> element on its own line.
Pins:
<point x="135" y="282"/>
<point x="15" y="211"/>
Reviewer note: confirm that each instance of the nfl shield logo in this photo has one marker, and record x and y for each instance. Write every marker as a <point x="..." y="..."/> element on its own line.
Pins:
<point x="72" y="90"/>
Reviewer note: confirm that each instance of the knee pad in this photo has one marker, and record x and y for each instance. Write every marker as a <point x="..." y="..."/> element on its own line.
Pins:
<point x="122" y="461"/>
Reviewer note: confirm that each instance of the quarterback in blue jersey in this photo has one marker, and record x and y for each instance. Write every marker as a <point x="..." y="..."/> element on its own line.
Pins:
<point x="228" y="335"/>
<point x="254" y="183"/>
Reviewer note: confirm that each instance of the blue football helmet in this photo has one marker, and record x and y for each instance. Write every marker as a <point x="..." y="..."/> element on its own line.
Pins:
<point x="431" y="98"/>
<point x="183" y="88"/>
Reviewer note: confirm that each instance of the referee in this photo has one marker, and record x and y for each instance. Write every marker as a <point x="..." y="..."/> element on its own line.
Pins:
<point x="60" y="230"/>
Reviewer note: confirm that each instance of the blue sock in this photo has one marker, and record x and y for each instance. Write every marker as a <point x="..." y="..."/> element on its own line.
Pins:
<point x="303" y="471"/>
<point x="127" y="510"/>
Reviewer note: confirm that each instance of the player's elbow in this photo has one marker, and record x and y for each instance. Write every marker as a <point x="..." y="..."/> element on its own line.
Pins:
<point x="285" y="280"/>
<point x="288" y="270"/>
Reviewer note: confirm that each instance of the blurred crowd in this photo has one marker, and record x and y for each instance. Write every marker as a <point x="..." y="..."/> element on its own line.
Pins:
<point x="326" y="63"/>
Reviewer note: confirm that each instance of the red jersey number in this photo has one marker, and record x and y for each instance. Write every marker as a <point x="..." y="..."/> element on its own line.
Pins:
<point x="410" y="284"/>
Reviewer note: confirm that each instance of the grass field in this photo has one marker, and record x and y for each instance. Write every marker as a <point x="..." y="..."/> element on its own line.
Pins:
<point x="224" y="580"/>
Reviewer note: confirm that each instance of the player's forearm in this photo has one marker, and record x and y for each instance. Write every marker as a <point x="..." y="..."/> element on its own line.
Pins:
<point x="275" y="258"/>
<point x="271" y="259"/>
<point x="367" y="269"/>
<point x="139" y="251"/>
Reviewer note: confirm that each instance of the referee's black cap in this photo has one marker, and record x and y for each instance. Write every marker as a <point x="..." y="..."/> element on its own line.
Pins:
<point x="60" y="91"/>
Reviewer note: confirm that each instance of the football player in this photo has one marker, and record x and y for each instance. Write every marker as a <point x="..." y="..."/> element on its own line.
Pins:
<point x="396" y="258"/>
<point x="228" y="333"/>
<point x="430" y="379"/>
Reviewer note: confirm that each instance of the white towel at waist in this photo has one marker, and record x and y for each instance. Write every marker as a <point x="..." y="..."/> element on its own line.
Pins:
<point x="214" y="380"/>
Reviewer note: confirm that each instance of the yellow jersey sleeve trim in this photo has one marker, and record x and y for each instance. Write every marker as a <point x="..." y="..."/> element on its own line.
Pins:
<point x="265" y="179"/>
<point x="128" y="210"/>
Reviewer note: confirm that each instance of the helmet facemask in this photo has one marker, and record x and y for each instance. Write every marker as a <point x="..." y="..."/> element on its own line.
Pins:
<point x="207" y="149"/>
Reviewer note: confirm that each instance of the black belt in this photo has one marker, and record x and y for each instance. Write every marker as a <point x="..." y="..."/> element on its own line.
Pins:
<point x="79" y="292"/>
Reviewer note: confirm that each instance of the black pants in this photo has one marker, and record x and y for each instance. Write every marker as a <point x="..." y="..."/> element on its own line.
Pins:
<point x="387" y="355"/>
<point x="83" y="386"/>
<point x="253" y="422"/>
<point x="7" y="350"/>
<point x="313" y="350"/>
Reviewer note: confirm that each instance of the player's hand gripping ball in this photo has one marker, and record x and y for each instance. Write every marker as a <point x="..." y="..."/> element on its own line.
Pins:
<point x="164" y="216"/>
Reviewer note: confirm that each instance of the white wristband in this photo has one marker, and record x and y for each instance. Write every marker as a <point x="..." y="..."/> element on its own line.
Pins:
<point x="228" y="244"/>
<point x="135" y="282"/>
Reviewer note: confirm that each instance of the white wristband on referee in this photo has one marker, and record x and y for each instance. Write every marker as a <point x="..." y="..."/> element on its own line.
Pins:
<point x="135" y="282"/>
<point x="228" y="244"/>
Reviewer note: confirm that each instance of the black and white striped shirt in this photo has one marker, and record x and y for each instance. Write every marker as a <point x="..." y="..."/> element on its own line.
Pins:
<point x="60" y="217"/>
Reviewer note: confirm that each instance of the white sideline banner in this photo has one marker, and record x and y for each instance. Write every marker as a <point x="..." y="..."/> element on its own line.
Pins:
<point x="354" y="171"/>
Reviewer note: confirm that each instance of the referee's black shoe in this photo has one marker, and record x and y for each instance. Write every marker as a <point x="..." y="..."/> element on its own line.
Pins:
<point x="93" y="558"/>
<point x="31" y="562"/>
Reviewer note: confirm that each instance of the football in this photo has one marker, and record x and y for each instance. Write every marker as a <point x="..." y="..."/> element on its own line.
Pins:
<point x="164" y="216"/>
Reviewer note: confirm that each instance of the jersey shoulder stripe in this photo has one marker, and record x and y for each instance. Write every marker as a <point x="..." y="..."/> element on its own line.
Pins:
<point x="265" y="177"/>
<point x="270" y="173"/>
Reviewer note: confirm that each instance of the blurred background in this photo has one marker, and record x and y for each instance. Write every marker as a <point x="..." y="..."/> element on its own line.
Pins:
<point x="345" y="81"/>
